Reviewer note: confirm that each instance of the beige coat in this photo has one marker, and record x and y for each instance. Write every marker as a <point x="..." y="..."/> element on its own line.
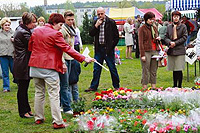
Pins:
<point x="128" y="34"/>
<point x="6" y="46"/>
<point x="68" y="39"/>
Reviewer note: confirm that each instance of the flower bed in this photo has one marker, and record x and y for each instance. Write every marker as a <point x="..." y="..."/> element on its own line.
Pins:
<point x="124" y="110"/>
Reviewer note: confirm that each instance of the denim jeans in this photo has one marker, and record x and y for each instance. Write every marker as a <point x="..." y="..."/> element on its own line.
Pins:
<point x="6" y="64"/>
<point x="65" y="99"/>
<point x="188" y="40"/>
<point x="100" y="56"/>
<point x="74" y="92"/>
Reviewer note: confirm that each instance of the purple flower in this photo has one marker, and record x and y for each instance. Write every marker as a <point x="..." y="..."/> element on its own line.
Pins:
<point x="186" y="127"/>
<point x="119" y="96"/>
<point x="194" y="129"/>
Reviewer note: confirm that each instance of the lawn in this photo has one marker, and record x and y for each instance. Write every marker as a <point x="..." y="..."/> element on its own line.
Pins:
<point x="130" y="77"/>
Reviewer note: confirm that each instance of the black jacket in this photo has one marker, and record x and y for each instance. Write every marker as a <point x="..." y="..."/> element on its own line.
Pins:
<point x="21" y="53"/>
<point x="75" y="72"/>
<point x="110" y="32"/>
<point x="179" y="48"/>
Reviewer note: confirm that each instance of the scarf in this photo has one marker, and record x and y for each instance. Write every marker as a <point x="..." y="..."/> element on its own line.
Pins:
<point x="70" y="30"/>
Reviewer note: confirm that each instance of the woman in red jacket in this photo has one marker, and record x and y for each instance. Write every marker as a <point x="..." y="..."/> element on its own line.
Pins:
<point x="47" y="46"/>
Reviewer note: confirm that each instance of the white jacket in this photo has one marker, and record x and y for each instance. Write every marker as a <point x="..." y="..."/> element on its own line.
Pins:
<point x="198" y="43"/>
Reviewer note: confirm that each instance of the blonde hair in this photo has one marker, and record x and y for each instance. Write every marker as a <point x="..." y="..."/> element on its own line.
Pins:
<point x="4" y="20"/>
<point x="129" y="20"/>
<point x="41" y="19"/>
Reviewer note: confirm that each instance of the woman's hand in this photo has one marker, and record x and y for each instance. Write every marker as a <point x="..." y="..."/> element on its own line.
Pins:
<point x="143" y="58"/>
<point x="158" y="38"/>
<point x="64" y="68"/>
<point x="12" y="39"/>
<point x="89" y="59"/>
<point x="172" y="44"/>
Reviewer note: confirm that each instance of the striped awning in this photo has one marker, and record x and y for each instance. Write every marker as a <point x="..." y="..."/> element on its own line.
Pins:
<point x="185" y="4"/>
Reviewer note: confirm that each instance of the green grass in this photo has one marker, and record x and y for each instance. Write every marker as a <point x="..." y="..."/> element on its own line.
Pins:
<point x="130" y="77"/>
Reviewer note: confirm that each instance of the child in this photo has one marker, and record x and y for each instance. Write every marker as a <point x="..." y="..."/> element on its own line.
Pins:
<point x="73" y="80"/>
<point x="117" y="56"/>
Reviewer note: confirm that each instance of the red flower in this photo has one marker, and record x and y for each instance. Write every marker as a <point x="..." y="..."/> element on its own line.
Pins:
<point x="103" y="92"/>
<point x="94" y="118"/>
<point x="128" y="90"/>
<point x="64" y="120"/>
<point x="144" y="121"/>
<point x="102" y="125"/>
<point x="135" y="123"/>
<point x="152" y="128"/>
<point x="145" y="111"/>
<point x="139" y="117"/>
<point x="90" y="125"/>
<point x="97" y="94"/>
<point x="162" y="110"/>
<point x="178" y="128"/>
<point x="107" y="116"/>
<point x="121" y="88"/>
<point x="110" y="91"/>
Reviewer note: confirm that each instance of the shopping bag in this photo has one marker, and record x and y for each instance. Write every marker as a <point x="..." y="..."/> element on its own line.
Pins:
<point x="162" y="62"/>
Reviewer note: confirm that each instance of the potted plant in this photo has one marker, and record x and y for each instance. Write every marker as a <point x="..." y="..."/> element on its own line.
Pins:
<point x="78" y="106"/>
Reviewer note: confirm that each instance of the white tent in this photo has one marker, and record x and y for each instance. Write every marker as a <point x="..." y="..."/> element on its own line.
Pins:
<point x="188" y="13"/>
<point x="184" y="4"/>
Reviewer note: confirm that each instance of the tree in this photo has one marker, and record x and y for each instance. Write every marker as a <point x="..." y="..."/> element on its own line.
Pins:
<point x="69" y="5"/>
<point x="24" y="8"/>
<point x="39" y="11"/>
<point x="87" y="24"/>
<point x="124" y="4"/>
<point x="2" y="14"/>
<point x="167" y="16"/>
<point x="160" y="8"/>
<point x="11" y="10"/>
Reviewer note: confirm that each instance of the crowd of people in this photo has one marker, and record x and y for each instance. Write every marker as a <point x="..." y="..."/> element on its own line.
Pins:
<point x="43" y="53"/>
<point x="147" y="34"/>
<point x="48" y="53"/>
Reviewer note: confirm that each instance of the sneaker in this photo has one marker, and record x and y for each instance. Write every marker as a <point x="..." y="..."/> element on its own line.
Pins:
<point x="61" y="109"/>
<point x="56" y="126"/>
<point x="70" y="112"/>
<point x="39" y="121"/>
<point x="5" y="91"/>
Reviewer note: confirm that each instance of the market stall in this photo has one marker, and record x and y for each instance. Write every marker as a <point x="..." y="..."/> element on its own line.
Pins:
<point x="158" y="15"/>
<point x="184" y="4"/>
<point x="120" y="15"/>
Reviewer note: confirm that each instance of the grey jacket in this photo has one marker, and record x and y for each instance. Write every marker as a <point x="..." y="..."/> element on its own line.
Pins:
<point x="6" y="45"/>
<point x="162" y="31"/>
<point x="179" y="48"/>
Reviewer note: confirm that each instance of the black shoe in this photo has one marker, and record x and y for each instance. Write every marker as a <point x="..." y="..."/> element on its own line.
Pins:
<point x="90" y="89"/>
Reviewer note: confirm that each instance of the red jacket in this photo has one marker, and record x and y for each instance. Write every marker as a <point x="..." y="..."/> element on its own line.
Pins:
<point x="47" y="46"/>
